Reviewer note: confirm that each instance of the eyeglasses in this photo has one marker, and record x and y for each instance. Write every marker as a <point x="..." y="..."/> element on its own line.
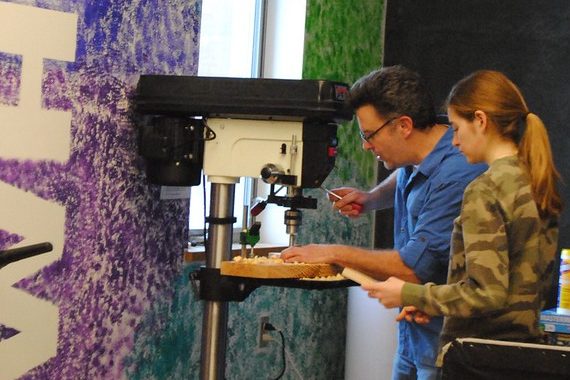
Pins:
<point x="367" y="138"/>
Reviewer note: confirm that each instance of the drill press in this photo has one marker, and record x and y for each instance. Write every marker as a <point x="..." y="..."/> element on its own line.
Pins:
<point x="283" y="131"/>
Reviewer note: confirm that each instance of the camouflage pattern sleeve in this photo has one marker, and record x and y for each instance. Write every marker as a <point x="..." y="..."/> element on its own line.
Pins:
<point x="498" y="221"/>
<point x="484" y="286"/>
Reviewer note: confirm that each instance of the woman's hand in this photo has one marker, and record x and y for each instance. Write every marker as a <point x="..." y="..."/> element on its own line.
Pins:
<point x="388" y="292"/>
<point x="413" y="314"/>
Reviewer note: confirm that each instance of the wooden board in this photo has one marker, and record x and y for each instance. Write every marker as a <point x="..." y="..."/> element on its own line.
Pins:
<point x="279" y="270"/>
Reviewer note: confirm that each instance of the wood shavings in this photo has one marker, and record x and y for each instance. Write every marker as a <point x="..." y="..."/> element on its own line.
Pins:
<point x="337" y="277"/>
<point x="258" y="260"/>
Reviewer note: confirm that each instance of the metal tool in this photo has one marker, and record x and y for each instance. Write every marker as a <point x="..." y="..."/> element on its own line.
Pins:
<point x="355" y="206"/>
<point x="330" y="192"/>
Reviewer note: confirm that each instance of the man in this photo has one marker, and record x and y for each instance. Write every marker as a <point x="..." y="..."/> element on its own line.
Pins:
<point x="397" y="122"/>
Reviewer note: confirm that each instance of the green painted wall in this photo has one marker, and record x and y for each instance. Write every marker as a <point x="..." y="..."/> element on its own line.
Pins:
<point x="343" y="42"/>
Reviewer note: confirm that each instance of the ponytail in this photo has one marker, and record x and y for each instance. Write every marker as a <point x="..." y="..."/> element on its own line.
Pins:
<point x="535" y="152"/>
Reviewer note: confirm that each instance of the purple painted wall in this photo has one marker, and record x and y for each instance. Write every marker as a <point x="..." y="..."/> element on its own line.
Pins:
<point x="116" y="286"/>
<point x="122" y="247"/>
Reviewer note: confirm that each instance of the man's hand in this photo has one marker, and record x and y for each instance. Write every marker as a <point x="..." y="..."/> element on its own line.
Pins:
<point x="312" y="253"/>
<point x="413" y="314"/>
<point x="352" y="202"/>
<point x="388" y="292"/>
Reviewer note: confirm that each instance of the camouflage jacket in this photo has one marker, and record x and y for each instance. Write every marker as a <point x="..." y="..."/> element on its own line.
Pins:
<point x="501" y="264"/>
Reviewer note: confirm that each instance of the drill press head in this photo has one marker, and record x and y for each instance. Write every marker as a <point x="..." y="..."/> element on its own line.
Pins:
<point x="283" y="131"/>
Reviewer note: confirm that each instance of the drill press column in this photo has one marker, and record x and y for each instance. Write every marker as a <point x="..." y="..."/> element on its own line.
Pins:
<point x="218" y="249"/>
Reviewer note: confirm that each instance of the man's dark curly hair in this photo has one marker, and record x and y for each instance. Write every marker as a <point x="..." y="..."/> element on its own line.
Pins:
<point x="394" y="91"/>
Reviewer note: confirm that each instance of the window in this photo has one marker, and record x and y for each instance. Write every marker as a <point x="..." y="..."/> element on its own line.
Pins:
<point x="249" y="38"/>
<point x="227" y="38"/>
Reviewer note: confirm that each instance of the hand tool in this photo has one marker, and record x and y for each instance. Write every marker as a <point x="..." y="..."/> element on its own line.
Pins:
<point x="356" y="206"/>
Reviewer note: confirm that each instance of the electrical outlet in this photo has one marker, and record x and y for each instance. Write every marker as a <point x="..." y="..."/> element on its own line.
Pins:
<point x="264" y="337"/>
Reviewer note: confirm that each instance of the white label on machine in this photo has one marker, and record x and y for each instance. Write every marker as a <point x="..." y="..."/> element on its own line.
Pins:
<point x="174" y="192"/>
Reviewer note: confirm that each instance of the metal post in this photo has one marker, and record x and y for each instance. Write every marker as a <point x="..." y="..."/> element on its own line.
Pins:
<point x="215" y="320"/>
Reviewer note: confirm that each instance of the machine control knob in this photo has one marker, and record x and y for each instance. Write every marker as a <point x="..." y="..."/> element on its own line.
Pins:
<point x="271" y="173"/>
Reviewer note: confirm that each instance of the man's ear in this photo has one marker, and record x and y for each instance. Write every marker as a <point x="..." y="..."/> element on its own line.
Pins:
<point x="405" y="126"/>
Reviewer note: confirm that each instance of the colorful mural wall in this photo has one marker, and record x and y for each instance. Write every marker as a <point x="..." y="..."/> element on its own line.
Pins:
<point x="70" y="175"/>
<point x="113" y="300"/>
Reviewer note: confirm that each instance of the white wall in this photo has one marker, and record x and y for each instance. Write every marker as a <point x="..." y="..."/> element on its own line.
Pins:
<point x="371" y="338"/>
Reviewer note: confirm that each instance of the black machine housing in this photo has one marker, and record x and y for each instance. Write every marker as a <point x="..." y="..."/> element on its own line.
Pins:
<point x="174" y="110"/>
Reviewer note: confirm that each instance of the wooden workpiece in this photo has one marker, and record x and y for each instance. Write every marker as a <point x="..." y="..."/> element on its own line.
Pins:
<point x="269" y="270"/>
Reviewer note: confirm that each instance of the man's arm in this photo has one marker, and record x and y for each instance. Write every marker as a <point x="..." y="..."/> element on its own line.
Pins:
<point x="379" y="264"/>
<point x="379" y="198"/>
<point x="382" y="196"/>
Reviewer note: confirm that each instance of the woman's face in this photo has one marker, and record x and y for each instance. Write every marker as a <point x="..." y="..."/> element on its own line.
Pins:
<point x="467" y="136"/>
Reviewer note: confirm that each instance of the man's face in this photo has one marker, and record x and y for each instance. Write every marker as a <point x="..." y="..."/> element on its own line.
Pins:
<point x="379" y="136"/>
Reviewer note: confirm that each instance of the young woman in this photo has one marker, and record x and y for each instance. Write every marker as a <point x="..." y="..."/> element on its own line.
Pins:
<point x="504" y="241"/>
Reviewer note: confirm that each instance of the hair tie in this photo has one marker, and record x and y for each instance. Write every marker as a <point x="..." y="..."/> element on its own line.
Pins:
<point x="521" y="126"/>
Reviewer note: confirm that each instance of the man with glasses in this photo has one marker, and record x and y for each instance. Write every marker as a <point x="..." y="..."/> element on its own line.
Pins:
<point x="397" y="121"/>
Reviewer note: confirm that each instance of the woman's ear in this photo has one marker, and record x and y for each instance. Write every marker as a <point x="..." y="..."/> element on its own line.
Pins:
<point x="480" y="120"/>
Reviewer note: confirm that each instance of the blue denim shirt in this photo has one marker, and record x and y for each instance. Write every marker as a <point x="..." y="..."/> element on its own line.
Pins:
<point x="427" y="200"/>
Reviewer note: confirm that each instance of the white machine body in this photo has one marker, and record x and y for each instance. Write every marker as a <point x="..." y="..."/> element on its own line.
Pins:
<point x="243" y="147"/>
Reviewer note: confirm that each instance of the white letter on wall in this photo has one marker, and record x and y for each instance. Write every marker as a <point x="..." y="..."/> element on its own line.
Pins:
<point x="29" y="132"/>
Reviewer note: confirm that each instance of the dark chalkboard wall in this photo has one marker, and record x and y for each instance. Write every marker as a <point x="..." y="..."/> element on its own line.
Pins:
<point x="528" y="40"/>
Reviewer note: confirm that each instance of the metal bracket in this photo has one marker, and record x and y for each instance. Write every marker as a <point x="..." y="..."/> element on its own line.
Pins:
<point x="216" y="287"/>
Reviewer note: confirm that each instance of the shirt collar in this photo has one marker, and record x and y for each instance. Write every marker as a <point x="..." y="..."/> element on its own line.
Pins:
<point x="438" y="153"/>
